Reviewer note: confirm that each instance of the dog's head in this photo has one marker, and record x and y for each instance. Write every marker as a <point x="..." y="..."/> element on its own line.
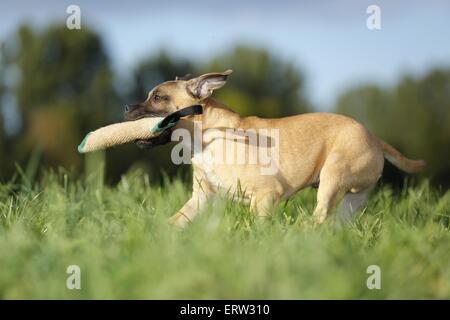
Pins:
<point x="171" y="96"/>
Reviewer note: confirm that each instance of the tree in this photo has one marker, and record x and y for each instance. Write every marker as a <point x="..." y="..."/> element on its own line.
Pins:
<point x="64" y="90"/>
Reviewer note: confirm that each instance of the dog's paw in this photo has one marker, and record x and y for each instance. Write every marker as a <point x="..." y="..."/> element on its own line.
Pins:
<point x="319" y="218"/>
<point x="178" y="221"/>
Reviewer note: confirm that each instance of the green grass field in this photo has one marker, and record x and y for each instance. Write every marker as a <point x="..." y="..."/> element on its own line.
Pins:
<point x="119" y="238"/>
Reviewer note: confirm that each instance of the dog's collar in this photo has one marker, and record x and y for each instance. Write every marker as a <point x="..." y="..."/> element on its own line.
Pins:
<point x="173" y="118"/>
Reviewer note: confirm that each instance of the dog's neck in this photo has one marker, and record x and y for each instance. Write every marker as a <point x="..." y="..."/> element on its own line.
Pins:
<point x="218" y="115"/>
<point x="215" y="115"/>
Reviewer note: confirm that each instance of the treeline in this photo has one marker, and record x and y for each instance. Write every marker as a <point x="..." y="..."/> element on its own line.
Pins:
<point x="57" y="84"/>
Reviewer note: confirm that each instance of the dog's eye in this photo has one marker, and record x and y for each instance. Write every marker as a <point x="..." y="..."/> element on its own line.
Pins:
<point x="156" y="98"/>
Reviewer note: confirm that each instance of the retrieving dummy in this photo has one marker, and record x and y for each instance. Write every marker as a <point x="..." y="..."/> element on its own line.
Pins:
<point x="129" y="131"/>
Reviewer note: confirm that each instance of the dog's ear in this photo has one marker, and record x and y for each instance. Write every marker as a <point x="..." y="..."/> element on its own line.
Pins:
<point x="185" y="77"/>
<point x="203" y="86"/>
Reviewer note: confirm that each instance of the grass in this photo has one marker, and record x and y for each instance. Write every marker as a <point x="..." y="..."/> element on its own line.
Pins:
<point x="119" y="238"/>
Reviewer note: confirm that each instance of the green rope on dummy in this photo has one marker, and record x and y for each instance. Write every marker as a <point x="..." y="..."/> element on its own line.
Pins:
<point x="172" y="119"/>
<point x="158" y="127"/>
<point x="83" y="143"/>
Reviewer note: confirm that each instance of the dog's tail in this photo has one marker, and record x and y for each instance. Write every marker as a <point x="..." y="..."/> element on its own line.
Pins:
<point x="400" y="161"/>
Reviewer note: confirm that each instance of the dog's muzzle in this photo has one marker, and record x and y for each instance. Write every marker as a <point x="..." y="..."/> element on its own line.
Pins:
<point x="137" y="111"/>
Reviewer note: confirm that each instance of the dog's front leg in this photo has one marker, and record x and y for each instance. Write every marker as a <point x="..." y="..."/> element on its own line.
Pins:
<point x="262" y="205"/>
<point x="200" y="195"/>
<point x="187" y="213"/>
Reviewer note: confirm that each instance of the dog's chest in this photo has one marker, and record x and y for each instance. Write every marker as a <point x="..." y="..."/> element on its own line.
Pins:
<point x="207" y="168"/>
<point x="233" y="177"/>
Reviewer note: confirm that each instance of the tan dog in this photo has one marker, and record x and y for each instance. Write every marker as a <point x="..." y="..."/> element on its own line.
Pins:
<point x="332" y="151"/>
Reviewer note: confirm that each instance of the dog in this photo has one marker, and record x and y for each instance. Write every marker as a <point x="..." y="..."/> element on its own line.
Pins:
<point x="332" y="152"/>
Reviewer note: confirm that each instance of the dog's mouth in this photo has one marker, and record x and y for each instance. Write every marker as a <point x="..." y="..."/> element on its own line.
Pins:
<point x="130" y="116"/>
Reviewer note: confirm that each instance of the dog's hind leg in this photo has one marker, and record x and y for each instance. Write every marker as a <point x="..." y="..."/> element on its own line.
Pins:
<point x="326" y="198"/>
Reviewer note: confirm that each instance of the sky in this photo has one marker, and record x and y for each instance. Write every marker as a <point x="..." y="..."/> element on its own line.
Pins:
<point x="327" y="40"/>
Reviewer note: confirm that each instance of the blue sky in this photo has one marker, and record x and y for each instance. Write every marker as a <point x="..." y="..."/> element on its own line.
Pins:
<point x="327" y="40"/>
